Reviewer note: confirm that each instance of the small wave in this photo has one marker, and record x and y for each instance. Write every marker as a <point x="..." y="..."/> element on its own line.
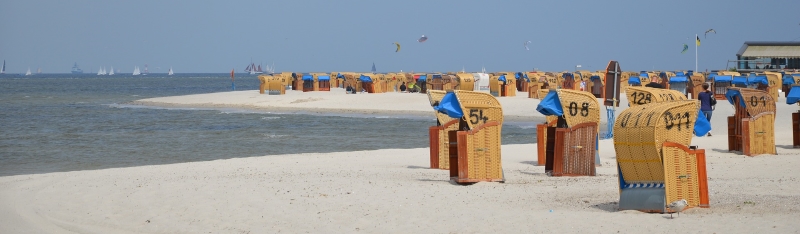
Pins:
<point x="273" y="136"/>
<point x="270" y="117"/>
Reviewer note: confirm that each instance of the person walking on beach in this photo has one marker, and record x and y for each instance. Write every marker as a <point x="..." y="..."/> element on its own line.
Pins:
<point x="707" y="103"/>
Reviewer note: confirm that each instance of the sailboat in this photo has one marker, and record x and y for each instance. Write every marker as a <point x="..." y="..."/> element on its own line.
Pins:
<point x="111" y="72"/>
<point x="39" y="71"/>
<point x="29" y="72"/>
<point x="136" y="71"/>
<point x="3" y="70"/>
<point x="169" y="73"/>
<point x="373" y="67"/>
<point x="100" y="72"/>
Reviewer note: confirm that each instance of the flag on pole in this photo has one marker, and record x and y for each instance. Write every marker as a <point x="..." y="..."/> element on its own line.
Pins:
<point x="698" y="40"/>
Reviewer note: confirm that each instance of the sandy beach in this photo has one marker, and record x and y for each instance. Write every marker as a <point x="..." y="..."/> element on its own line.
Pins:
<point x="393" y="190"/>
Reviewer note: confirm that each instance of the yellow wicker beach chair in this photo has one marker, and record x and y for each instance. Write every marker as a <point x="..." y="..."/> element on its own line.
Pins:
<point x="571" y="145"/>
<point x="465" y="82"/>
<point x="751" y="130"/>
<point x="655" y="162"/>
<point x="475" y="147"/>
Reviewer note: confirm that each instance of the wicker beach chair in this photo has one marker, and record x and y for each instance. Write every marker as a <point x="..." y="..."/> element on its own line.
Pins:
<point x="751" y="130"/>
<point x="475" y="146"/>
<point x="655" y="162"/>
<point x="571" y="145"/>
<point x="465" y="82"/>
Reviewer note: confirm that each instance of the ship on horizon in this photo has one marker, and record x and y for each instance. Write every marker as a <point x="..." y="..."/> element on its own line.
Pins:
<point x="76" y="69"/>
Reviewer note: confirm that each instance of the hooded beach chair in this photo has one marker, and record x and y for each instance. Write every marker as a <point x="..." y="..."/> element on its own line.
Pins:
<point x="655" y="161"/>
<point x="751" y="130"/>
<point x="571" y="145"/>
<point x="475" y="146"/>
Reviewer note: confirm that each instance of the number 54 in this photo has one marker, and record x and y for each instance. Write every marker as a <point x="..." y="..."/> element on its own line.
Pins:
<point x="475" y="116"/>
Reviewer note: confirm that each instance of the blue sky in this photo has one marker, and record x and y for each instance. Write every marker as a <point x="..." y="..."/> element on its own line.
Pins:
<point x="349" y="35"/>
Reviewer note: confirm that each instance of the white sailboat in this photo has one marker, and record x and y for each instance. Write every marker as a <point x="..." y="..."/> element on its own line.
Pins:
<point x="111" y="72"/>
<point x="100" y="72"/>
<point x="136" y="71"/>
<point x="3" y="70"/>
<point x="170" y="71"/>
<point x="29" y="72"/>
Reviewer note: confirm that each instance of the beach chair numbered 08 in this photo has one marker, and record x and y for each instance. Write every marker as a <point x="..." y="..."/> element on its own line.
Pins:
<point x="655" y="162"/>
<point x="571" y="145"/>
<point x="793" y="98"/>
<point x="751" y="130"/>
<point x="474" y="148"/>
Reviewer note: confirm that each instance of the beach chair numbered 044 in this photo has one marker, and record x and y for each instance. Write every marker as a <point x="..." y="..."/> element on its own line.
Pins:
<point x="793" y="98"/>
<point x="474" y="148"/>
<point x="751" y="130"/>
<point x="571" y="145"/>
<point x="655" y="162"/>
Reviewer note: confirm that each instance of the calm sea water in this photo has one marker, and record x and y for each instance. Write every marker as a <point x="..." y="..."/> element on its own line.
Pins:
<point x="66" y="122"/>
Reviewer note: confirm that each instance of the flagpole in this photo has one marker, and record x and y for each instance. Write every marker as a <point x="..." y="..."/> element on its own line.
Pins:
<point x="695" y="53"/>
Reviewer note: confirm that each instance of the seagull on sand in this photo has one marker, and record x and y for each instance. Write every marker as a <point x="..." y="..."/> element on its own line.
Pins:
<point x="677" y="207"/>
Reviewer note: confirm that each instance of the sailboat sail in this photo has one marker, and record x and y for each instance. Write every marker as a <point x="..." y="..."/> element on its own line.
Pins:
<point x="170" y="71"/>
<point x="3" y="70"/>
<point x="111" y="72"/>
<point x="29" y="72"/>
<point x="39" y="71"/>
<point x="136" y="71"/>
<point x="373" y="67"/>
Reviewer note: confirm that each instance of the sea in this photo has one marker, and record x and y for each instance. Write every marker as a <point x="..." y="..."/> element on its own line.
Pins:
<point x="71" y="122"/>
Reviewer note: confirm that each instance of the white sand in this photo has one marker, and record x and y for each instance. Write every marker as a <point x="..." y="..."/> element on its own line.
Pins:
<point x="392" y="190"/>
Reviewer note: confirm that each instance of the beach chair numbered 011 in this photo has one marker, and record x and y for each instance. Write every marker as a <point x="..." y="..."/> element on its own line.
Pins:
<point x="751" y="130"/>
<point x="474" y="147"/>
<point x="571" y="145"/>
<point x="793" y="98"/>
<point x="655" y="162"/>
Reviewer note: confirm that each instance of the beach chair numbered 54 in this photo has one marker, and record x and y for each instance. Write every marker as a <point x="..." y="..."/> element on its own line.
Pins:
<point x="474" y="147"/>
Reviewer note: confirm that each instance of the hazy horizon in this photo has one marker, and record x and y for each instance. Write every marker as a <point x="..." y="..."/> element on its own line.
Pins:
<point x="314" y="35"/>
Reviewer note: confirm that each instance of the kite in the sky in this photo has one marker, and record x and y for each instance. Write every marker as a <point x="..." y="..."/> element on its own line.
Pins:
<point x="422" y="39"/>
<point x="526" y="45"/>
<point x="685" y="48"/>
<point x="708" y="31"/>
<point x="398" y="47"/>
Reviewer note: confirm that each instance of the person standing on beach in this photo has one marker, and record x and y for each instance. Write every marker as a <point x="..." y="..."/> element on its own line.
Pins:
<point x="707" y="103"/>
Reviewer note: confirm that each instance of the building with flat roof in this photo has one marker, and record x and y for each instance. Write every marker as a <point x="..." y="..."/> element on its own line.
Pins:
<point x="756" y="56"/>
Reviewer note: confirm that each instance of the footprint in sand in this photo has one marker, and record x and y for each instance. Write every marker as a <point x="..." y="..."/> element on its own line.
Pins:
<point x="306" y="100"/>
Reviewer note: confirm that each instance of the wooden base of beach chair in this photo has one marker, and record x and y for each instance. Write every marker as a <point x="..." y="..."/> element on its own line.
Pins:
<point x="796" y="130"/>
